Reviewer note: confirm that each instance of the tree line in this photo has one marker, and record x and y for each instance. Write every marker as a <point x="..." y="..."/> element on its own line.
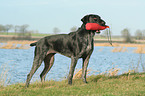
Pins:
<point x="125" y="33"/>
<point x="139" y="35"/>
<point x="22" y="29"/>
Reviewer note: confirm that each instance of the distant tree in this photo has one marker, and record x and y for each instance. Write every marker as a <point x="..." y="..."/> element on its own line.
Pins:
<point x="36" y="31"/>
<point x="143" y="34"/>
<point x="8" y="27"/>
<point x="126" y="35"/>
<point x="2" y="28"/>
<point x="74" y="28"/>
<point x="16" y="28"/>
<point x="139" y="34"/>
<point x="23" y="29"/>
<point x="56" y="30"/>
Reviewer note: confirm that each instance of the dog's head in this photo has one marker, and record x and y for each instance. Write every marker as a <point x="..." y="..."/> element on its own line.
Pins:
<point x="89" y="19"/>
<point x="93" y="19"/>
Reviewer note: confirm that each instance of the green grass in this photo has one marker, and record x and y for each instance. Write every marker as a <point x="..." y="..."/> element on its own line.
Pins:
<point x="40" y="34"/>
<point x="100" y="85"/>
<point x="5" y="33"/>
<point x="32" y="34"/>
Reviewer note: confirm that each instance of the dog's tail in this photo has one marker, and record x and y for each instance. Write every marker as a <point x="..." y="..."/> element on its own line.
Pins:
<point x="33" y="44"/>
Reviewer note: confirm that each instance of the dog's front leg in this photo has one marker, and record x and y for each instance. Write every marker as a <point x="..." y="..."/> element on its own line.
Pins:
<point x="72" y="68"/>
<point x="84" y="67"/>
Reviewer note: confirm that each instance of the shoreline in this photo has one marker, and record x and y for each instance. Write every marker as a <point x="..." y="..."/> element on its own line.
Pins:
<point x="120" y="44"/>
<point x="95" y="44"/>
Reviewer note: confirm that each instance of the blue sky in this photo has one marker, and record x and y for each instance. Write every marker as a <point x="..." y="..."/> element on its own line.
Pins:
<point x="44" y="15"/>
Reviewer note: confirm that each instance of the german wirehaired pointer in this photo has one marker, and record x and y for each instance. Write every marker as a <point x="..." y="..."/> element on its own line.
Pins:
<point x="78" y="44"/>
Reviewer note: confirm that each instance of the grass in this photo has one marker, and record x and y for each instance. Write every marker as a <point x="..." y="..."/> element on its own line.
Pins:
<point x="32" y="34"/>
<point x="100" y="85"/>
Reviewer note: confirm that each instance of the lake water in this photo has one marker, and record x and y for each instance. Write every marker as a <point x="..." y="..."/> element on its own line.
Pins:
<point x="15" y="64"/>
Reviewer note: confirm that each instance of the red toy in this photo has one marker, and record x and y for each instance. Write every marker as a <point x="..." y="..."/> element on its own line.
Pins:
<point x="95" y="26"/>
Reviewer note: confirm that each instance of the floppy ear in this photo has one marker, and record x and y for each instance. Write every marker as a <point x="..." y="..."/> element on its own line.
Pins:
<point x="85" y="19"/>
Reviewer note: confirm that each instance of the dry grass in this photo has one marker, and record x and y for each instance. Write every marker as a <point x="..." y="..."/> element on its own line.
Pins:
<point x="120" y="45"/>
<point x="123" y="47"/>
<point x="24" y="44"/>
<point x="3" y="76"/>
<point x="111" y="72"/>
<point x="16" y="44"/>
<point x="140" y="49"/>
<point x="78" y="74"/>
<point x="120" y="49"/>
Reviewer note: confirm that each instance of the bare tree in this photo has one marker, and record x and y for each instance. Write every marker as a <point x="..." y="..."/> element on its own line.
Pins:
<point x="143" y="33"/>
<point x="56" y="30"/>
<point x="126" y="35"/>
<point x="2" y="28"/>
<point x="139" y="34"/>
<point x="16" y="28"/>
<point x="74" y="28"/>
<point x="23" y="29"/>
<point x="8" y="27"/>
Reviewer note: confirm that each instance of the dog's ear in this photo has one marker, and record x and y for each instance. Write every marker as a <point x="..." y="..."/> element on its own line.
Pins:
<point x="85" y="19"/>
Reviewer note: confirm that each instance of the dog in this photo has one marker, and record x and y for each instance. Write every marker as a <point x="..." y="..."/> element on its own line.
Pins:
<point x="75" y="45"/>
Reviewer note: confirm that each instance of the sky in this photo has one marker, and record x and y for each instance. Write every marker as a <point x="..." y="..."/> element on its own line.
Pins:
<point x="44" y="15"/>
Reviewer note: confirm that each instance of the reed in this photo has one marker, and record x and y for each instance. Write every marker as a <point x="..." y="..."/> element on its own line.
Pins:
<point x="140" y="49"/>
<point x="119" y="49"/>
<point x="3" y="76"/>
<point x="14" y="45"/>
<point x="120" y="44"/>
<point x="115" y="49"/>
<point x="109" y="72"/>
<point x="113" y="71"/>
<point x="78" y="74"/>
<point x="124" y="50"/>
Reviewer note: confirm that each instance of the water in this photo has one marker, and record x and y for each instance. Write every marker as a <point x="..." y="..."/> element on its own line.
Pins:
<point x="17" y="63"/>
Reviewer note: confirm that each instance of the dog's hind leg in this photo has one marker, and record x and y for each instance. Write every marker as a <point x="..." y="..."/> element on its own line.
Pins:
<point x="39" y="57"/>
<point x="48" y="61"/>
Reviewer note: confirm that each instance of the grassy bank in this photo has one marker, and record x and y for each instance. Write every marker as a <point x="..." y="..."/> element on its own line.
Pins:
<point x="124" y="85"/>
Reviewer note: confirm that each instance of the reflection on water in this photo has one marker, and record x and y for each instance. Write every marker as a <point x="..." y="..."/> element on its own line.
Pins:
<point x="18" y="63"/>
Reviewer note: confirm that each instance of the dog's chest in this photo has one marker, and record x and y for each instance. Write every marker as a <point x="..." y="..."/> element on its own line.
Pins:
<point x="89" y="45"/>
